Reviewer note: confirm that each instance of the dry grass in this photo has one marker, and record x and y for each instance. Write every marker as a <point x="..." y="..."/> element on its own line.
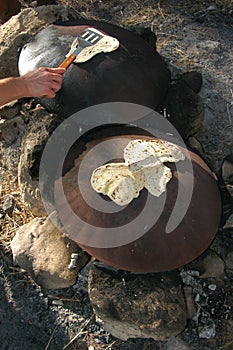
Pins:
<point x="137" y="11"/>
<point x="123" y="12"/>
<point x="20" y="216"/>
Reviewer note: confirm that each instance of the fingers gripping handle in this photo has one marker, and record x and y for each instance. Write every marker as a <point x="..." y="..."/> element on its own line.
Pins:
<point x="67" y="62"/>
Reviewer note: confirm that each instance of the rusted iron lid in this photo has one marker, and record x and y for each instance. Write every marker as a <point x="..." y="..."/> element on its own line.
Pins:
<point x="140" y="237"/>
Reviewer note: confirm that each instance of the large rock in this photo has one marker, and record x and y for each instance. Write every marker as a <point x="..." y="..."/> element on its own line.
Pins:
<point x="208" y="265"/>
<point x="40" y="127"/>
<point x="12" y="129"/>
<point x="185" y="108"/>
<point x="227" y="173"/>
<point x="21" y="28"/>
<point x="10" y="110"/>
<point x="44" y="252"/>
<point x="138" y="306"/>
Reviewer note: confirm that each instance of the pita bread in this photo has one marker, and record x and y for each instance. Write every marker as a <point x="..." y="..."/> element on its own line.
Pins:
<point x="167" y="151"/>
<point x="151" y="161"/>
<point x="104" y="175"/>
<point x="143" y="167"/>
<point x="156" y="179"/>
<point x="140" y="154"/>
<point x="139" y="182"/>
<point x="122" y="191"/>
<point x="105" y="44"/>
<point x="118" y="182"/>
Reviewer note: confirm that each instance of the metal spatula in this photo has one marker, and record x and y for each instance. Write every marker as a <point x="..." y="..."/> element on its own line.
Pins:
<point x="88" y="37"/>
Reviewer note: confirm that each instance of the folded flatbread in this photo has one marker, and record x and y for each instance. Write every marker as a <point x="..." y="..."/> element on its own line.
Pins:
<point x="140" y="154"/>
<point x="143" y="167"/>
<point x="117" y="182"/>
<point x="156" y="179"/>
<point x="105" y="44"/>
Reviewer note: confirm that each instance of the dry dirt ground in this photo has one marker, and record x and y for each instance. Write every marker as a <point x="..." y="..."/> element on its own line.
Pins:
<point x="190" y="35"/>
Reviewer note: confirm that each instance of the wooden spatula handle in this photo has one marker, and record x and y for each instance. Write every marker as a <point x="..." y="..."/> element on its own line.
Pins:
<point x="67" y="62"/>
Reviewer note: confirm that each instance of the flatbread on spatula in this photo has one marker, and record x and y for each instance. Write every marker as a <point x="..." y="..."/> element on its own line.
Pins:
<point x="105" y="44"/>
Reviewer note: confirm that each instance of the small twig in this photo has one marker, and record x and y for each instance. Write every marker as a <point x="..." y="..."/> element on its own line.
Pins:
<point x="12" y="230"/>
<point x="231" y="92"/>
<point x="50" y="339"/>
<point x="167" y="34"/>
<point x="109" y="346"/>
<point x="23" y="281"/>
<point x="79" y="333"/>
<point x="64" y="299"/>
<point x="229" y="114"/>
<point x="160" y="10"/>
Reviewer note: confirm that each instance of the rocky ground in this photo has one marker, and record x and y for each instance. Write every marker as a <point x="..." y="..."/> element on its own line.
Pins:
<point x="190" y="36"/>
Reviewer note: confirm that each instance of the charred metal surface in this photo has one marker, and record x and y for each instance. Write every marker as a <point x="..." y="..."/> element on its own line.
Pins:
<point x="135" y="72"/>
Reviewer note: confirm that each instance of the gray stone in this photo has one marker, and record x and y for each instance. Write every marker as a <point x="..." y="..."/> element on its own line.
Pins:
<point x="185" y="108"/>
<point x="8" y="204"/>
<point x="44" y="252"/>
<point x="58" y="302"/>
<point x="176" y="344"/>
<point x="209" y="265"/>
<point x="12" y="129"/>
<point x="33" y="143"/>
<point x="193" y="79"/>
<point x="211" y="8"/>
<point x="229" y="223"/>
<point x="138" y="305"/>
<point x="21" y="28"/>
<point x="227" y="173"/>
<point x="10" y="110"/>
<point x="223" y="246"/>
<point x="213" y="266"/>
<point x="229" y="260"/>
<point x="10" y="157"/>
<point x="215" y="134"/>
<point x="227" y="169"/>
<point x="207" y="331"/>
<point x="212" y="287"/>
<point x="195" y="145"/>
<point x="191" y="308"/>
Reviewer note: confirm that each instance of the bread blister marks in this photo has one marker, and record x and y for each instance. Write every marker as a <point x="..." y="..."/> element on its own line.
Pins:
<point x="143" y="167"/>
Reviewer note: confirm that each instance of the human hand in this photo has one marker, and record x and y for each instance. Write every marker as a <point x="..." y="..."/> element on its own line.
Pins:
<point x="42" y="82"/>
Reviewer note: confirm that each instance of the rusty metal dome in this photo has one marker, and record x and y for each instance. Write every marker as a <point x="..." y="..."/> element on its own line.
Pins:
<point x="156" y="250"/>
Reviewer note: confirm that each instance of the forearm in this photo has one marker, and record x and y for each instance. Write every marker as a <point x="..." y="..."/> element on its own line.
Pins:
<point x="42" y="82"/>
<point x="11" y="89"/>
